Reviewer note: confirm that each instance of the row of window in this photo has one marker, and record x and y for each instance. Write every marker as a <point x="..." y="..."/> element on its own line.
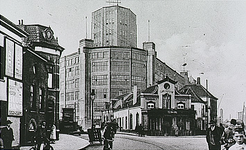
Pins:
<point x="72" y="84"/>
<point x="71" y="96"/>
<point x="99" y="66"/>
<point x="99" y="80"/>
<point x="120" y="55"/>
<point x="96" y="55"/>
<point x="120" y="66"/>
<point x="137" y="56"/>
<point x="72" y="61"/>
<point x="72" y="71"/>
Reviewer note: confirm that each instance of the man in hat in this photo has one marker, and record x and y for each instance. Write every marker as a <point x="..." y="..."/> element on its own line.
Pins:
<point x="213" y="136"/>
<point x="7" y="135"/>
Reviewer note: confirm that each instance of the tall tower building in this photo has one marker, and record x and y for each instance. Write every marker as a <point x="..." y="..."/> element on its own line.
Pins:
<point x="114" y="26"/>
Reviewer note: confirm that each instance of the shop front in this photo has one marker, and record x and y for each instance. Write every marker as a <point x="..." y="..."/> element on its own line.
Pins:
<point x="163" y="122"/>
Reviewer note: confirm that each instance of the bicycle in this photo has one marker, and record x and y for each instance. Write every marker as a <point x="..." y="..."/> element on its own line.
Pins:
<point x="44" y="145"/>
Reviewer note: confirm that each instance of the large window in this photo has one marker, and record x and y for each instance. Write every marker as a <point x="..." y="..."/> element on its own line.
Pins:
<point x="100" y="80"/>
<point x="166" y="101"/>
<point x="99" y="66"/>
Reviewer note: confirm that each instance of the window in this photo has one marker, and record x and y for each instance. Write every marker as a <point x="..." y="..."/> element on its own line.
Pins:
<point x="105" y="92"/>
<point x="76" y="95"/>
<point x="31" y="97"/>
<point x="41" y="99"/>
<point x="131" y="120"/>
<point x="151" y="105"/>
<point x="166" y="101"/>
<point x="77" y="70"/>
<point x="181" y="105"/>
<point x="137" y="119"/>
<point x="77" y="82"/>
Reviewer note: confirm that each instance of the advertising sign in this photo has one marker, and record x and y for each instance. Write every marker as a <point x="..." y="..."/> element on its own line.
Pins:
<point x="15" y="98"/>
<point x="18" y="61"/>
<point x="9" y="58"/>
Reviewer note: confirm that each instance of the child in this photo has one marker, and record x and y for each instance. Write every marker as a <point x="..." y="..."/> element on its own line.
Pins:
<point x="238" y="136"/>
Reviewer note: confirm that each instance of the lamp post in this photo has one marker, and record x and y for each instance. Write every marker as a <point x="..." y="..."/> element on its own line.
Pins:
<point x="92" y="101"/>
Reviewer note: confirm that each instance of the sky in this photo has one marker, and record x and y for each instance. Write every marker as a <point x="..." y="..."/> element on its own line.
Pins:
<point x="210" y="36"/>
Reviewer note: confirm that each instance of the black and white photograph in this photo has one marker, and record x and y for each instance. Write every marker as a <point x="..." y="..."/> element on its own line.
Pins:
<point x="122" y="74"/>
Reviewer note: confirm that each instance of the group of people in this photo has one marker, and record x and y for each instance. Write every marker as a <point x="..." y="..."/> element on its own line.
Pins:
<point x="230" y="136"/>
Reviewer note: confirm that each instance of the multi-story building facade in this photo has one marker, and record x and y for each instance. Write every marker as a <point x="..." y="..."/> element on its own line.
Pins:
<point x="41" y="70"/>
<point x="110" y="69"/>
<point x="114" y="26"/>
<point x="11" y="76"/>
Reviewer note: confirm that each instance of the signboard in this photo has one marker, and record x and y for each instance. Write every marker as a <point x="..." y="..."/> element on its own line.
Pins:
<point x="18" y="61"/>
<point x="9" y="58"/>
<point x="15" y="98"/>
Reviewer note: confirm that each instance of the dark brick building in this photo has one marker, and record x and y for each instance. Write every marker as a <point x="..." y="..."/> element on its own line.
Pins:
<point x="41" y="77"/>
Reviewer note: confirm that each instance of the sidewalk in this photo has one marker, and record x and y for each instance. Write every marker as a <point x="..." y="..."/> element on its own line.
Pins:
<point x="66" y="142"/>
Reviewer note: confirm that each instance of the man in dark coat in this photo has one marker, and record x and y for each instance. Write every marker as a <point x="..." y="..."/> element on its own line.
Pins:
<point x="7" y="136"/>
<point x="41" y="134"/>
<point x="213" y="136"/>
<point x="108" y="137"/>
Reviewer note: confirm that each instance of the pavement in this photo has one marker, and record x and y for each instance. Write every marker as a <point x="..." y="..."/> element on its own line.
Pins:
<point x="66" y="142"/>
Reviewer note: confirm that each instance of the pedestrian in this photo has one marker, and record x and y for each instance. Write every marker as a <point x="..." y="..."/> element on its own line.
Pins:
<point x="41" y="134"/>
<point x="238" y="136"/>
<point x="108" y="137"/>
<point x="141" y="130"/>
<point x="7" y="135"/>
<point x="53" y="134"/>
<point x="213" y="136"/>
<point x="176" y="130"/>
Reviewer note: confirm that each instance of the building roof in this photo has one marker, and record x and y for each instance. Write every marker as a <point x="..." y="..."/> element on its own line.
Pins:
<point x="197" y="91"/>
<point x="12" y="27"/>
<point x="167" y="79"/>
<point x="152" y="89"/>
<point x="40" y="35"/>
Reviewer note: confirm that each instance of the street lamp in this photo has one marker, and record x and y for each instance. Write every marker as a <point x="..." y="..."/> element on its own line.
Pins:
<point x="92" y="101"/>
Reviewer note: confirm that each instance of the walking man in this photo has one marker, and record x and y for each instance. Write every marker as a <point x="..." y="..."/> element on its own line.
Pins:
<point x="213" y="136"/>
<point x="7" y="136"/>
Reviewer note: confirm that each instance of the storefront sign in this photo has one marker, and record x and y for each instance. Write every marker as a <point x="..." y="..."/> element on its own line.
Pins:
<point x="172" y="112"/>
<point x="15" y="98"/>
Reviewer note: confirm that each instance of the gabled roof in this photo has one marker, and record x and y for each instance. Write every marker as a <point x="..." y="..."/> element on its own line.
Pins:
<point x="126" y="100"/>
<point x="152" y="89"/>
<point x="197" y="90"/>
<point x="166" y="79"/>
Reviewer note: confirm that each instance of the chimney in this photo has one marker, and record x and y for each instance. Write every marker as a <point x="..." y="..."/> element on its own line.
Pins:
<point x="198" y="80"/>
<point x="21" y="22"/>
<point x="135" y="90"/>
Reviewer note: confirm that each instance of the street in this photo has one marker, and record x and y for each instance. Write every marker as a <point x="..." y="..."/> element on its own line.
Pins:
<point x="125" y="142"/>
